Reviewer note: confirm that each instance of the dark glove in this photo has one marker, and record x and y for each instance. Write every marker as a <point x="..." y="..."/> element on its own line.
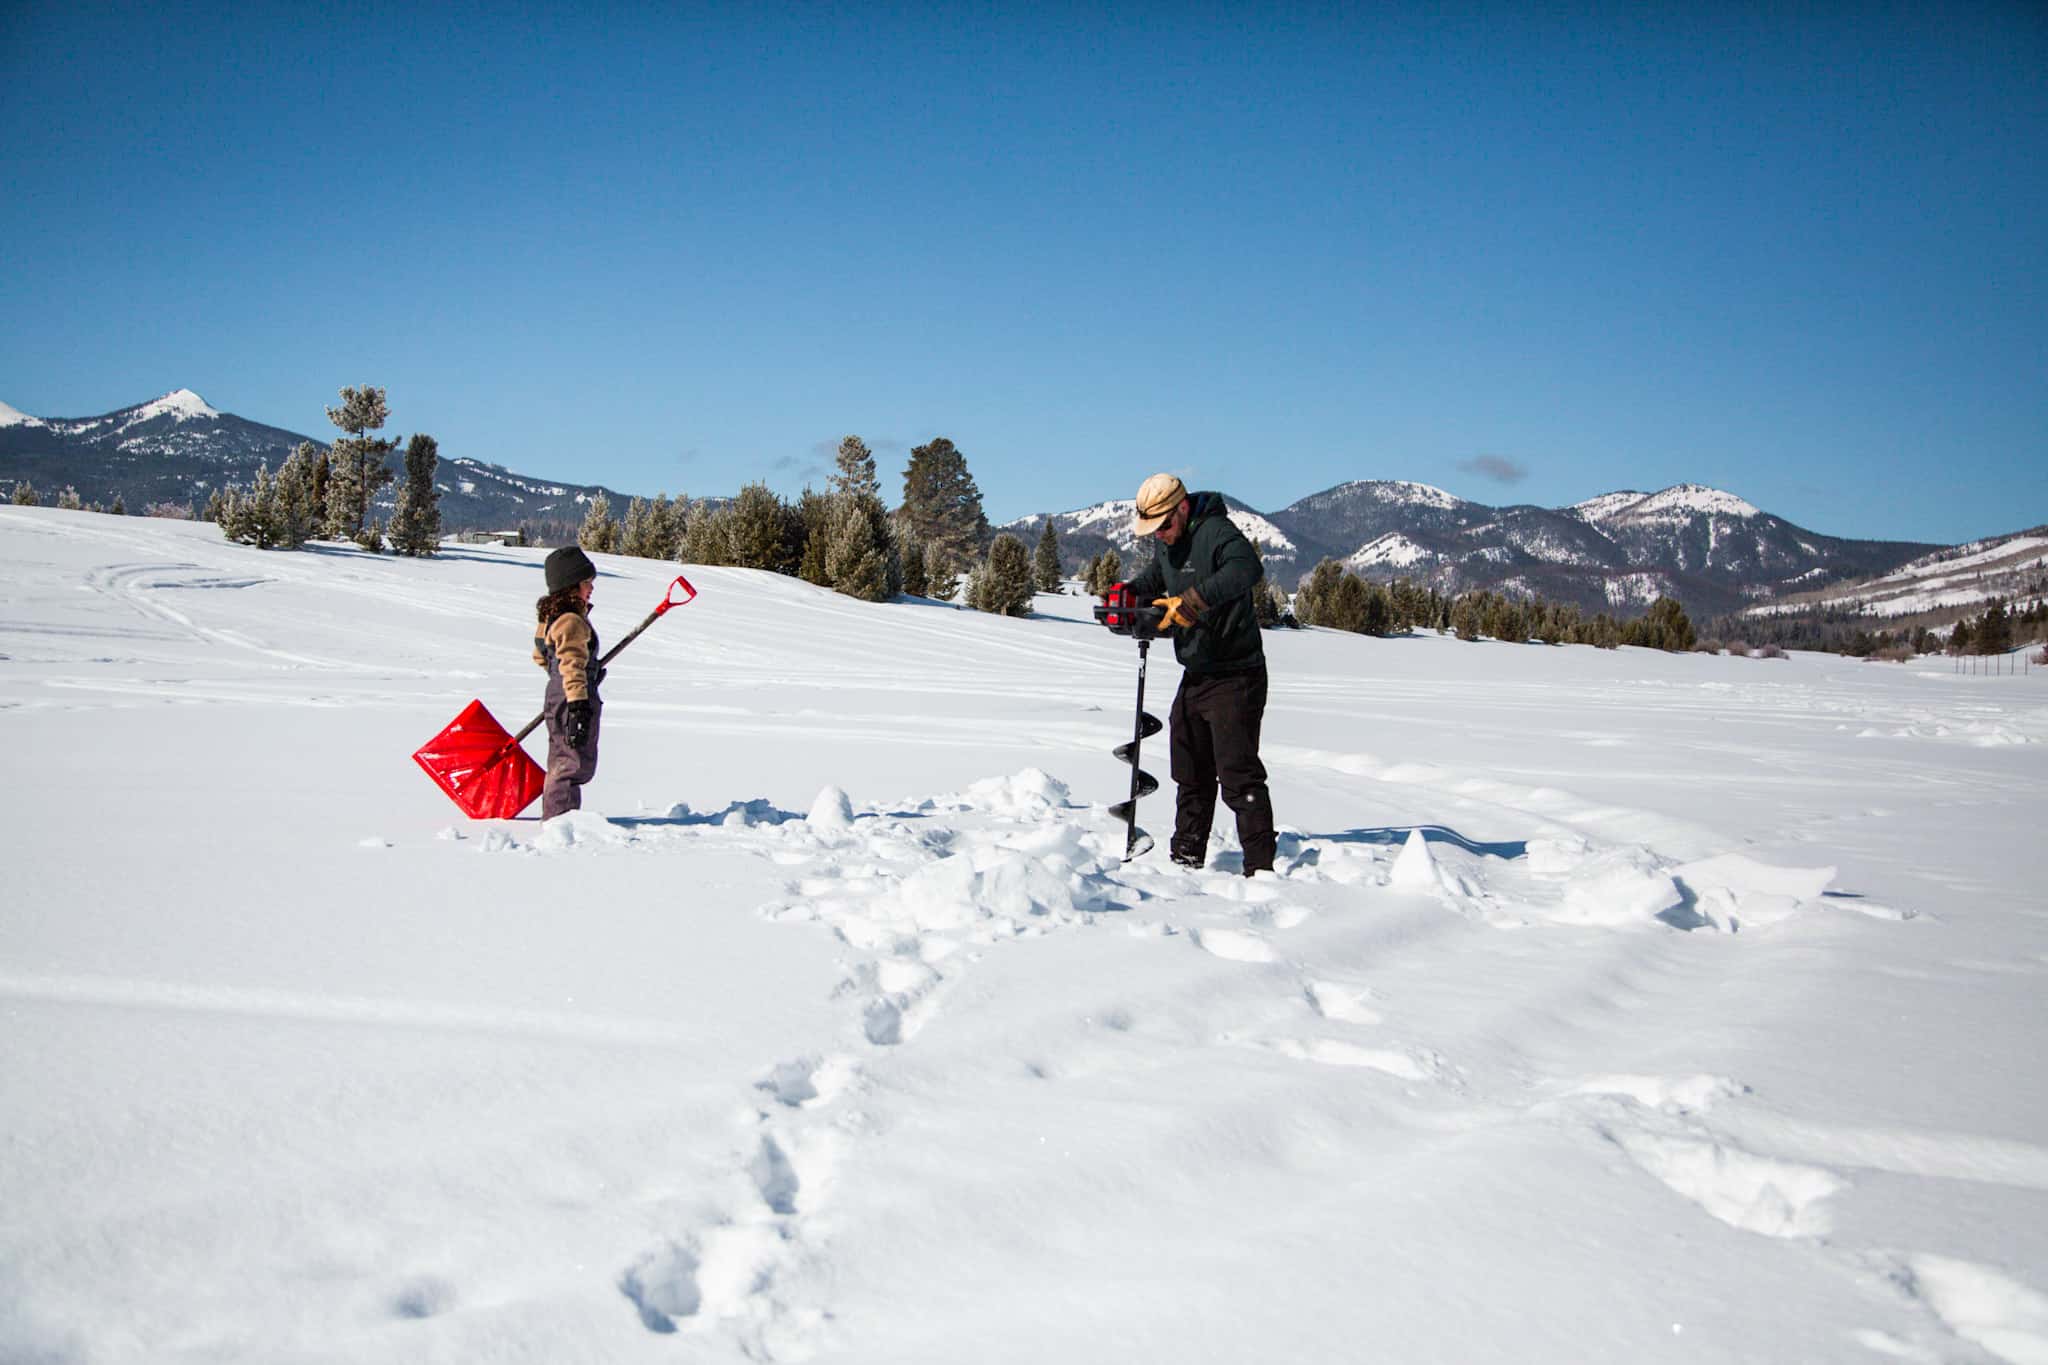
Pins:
<point x="576" y="723"/>
<point x="1180" y="612"/>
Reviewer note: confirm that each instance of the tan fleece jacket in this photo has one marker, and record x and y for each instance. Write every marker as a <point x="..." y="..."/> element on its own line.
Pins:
<point x="570" y="635"/>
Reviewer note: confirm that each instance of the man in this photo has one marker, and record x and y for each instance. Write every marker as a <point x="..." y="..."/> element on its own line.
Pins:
<point x="1204" y="573"/>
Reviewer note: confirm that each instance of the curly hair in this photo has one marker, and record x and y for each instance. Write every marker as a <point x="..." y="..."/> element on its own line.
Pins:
<point x="567" y="602"/>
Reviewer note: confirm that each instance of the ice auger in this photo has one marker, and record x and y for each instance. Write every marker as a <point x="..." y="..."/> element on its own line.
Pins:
<point x="1121" y="612"/>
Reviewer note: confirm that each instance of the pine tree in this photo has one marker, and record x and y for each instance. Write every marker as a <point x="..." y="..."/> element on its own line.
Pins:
<point x="296" y="514"/>
<point x="216" y="507"/>
<point x="941" y="505"/>
<point x="1267" y="600"/>
<point x="416" y="522"/>
<point x="820" y="514"/>
<point x="120" y="508"/>
<point x="1006" y="579"/>
<point x="854" y="563"/>
<point x="599" y="533"/>
<point x="635" y="536"/>
<point x="25" y="495"/>
<point x="1379" y="610"/>
<point x="1314" y="600"/>
<point x="323" y="468"/>
<point x="69" y="500"/>
<point x="704" y="537"/>
<point x="356" y="464"/>
<point x="1045" y="563"/>
<point x="1112" y="571"/>
<point x="756" y="531"/>
<point x="672" y="517"/>
<point x="1994" y="630"/>
<point x="1347" y="604"/>
<point x="855" y="475"/>
<point x="1466" y="610"/>
<point x="941" y="580"/>
<point x="913" y="568"/>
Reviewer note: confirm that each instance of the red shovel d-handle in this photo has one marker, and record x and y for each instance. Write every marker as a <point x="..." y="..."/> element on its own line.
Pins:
<point x="482" y="768"/>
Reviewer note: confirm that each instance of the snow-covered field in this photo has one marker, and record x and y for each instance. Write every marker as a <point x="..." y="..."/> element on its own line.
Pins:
<point x="1612" y="1006"/>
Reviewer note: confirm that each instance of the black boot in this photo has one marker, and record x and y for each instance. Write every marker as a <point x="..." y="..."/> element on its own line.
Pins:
<point x="1187" y="855"/>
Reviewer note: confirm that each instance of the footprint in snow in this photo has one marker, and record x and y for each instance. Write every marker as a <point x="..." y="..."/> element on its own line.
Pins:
<point x="1234" y="944"/>
<point x="1336" y="1052"/>
<point x="1978" y="1304"/>
<point x="808" y="1082"/>
<point x="1280" y="916"/>
<point x="663" y="1287"/>
<point x="1345" y="1004"/>
<point x="1754" y="1193"/>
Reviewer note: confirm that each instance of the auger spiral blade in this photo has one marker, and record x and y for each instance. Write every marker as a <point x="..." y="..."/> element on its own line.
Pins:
<point x="1148" y="726"/>
<point x="1143" y="784"/>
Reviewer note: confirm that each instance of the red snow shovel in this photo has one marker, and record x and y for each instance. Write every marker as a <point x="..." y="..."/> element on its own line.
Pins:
<point x="482" y="768"/>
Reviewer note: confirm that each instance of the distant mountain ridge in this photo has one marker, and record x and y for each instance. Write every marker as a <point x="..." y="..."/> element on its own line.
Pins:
<point x="179" y="448"/>
<point x="1619" y="551"/>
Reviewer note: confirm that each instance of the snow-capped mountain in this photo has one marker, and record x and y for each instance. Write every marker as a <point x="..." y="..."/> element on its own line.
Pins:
<point x="1086" y="532"/>
<point x="1715" y="551"/>
<point x="179" y="448"/>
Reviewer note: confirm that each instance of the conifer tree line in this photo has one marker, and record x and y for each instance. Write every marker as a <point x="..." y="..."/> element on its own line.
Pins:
<point x="67" y="499"/>
<point x="2002" y="625"/>
<point x="1335" y="598"/>
<point x="844" y="538"/>
<point x="1998" y="630"/>
<point x="326" y="494"/>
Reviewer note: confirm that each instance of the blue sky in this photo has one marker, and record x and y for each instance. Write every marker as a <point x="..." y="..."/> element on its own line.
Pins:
<point x="1526" y="253"/>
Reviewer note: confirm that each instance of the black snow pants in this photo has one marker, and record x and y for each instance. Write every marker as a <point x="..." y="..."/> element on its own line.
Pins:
<point x="568" y="766"/>
<point x="1214" y="734"/>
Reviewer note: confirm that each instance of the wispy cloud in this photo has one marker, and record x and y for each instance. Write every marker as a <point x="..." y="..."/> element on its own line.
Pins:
<point x="1496" y="467"/>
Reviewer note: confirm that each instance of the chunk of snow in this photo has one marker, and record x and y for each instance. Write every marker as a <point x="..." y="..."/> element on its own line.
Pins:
<point x="1415" y="869"/>
<point x="831" y="812"/>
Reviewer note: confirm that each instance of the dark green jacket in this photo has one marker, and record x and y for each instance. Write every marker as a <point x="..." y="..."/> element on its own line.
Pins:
<point x="1217" y="570"/>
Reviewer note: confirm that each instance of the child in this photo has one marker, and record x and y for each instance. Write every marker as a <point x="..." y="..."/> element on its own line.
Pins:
<point x="566" y="646"/>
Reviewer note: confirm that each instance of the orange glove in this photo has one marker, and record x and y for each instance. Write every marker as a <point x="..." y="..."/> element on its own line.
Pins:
<point x="1179" y="615"/>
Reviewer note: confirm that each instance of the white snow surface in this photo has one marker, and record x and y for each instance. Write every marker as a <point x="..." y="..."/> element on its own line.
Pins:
<point x="14" y="417"/>
<point x="1607" y="1006"/>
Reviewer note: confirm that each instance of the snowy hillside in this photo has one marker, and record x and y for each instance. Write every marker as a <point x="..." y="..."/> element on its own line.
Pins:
<point x="1612" y="1007"/>
<point x="1964" y="577"/>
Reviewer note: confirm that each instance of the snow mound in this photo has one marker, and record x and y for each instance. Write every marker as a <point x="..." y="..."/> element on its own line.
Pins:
<point x="831" y="812"/>
<point x="1621" y="886"/>
<point x="1030" y="794"/>
<point x="1415" y="869"/>
<point x="1731" y="891"/>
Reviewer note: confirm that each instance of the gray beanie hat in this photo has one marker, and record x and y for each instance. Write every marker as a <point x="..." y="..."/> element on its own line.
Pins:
<point x="567" y="567"/>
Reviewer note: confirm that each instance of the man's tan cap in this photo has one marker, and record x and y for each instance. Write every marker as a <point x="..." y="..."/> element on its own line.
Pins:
<point x="1157" y="497"/>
